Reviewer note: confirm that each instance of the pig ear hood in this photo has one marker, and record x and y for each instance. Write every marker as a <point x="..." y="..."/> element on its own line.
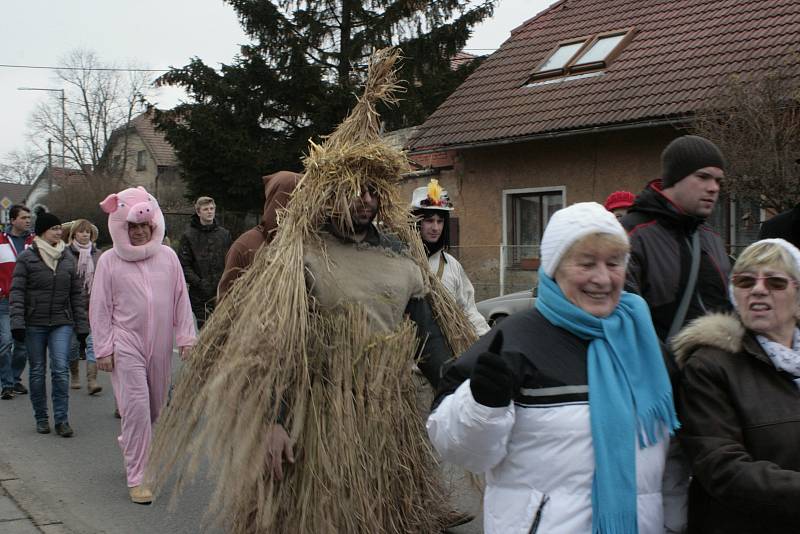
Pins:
<point x="134" y="205"/>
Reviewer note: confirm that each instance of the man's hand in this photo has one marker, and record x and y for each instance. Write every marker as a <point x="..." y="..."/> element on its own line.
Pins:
<point x="279" y="446"/>
<point x="82" y="341"/>
<point x="18" y="334"/>
<point x="106" y="364"/>
<point x="184" y="352"/>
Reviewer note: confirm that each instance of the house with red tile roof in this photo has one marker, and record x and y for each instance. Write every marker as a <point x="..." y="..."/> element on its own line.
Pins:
<point x="141" y="155"/>
<point x="578" y="103"/>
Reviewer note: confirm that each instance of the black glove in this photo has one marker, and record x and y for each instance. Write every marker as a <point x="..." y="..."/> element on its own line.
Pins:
<point x="18" y="334"/>
<point x="492" y="383"/>
<point x="82" y="341"/>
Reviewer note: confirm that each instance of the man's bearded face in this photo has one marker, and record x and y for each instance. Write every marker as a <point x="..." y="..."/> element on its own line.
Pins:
<point x="364" y="208"/>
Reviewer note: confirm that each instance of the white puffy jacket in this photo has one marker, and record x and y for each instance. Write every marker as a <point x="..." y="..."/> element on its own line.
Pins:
<point x="537" y="452"/>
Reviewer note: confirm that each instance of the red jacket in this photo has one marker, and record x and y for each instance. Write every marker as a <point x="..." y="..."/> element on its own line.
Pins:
<point x="8" y="260"/>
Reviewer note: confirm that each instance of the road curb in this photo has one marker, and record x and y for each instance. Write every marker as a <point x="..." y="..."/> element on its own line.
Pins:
<point x="16" y="514"/>
<point x="38" y="515"/>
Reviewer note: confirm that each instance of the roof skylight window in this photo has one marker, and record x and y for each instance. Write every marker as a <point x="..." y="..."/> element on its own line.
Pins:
<point x="590" y="53"/>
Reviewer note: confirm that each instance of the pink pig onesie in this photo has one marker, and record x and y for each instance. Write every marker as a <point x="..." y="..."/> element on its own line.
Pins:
<point x="139" y="304"/>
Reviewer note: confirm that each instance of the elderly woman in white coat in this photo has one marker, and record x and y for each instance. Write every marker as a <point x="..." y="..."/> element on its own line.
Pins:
<point x="567" y="408"/>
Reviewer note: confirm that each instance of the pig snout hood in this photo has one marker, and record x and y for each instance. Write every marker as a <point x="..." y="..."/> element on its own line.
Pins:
<point x="133" y="205"/>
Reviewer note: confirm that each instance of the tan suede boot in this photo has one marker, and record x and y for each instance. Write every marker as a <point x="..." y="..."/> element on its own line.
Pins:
<point x="91" y="378"/>
<point x="141" y="494"/>
<point x="74" y="375"/>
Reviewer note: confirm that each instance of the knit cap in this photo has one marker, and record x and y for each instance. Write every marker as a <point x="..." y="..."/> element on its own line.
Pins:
<point x="619" y="199"/>
<point x="45" y="221"/>
<point x="687" y="154"/>
<point x="570" y="224"/>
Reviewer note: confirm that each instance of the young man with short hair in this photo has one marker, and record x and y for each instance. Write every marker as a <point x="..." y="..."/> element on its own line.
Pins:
<point x="13" y="356"/>
<point x="663" y="224"/>
<point x="202" y="255"/>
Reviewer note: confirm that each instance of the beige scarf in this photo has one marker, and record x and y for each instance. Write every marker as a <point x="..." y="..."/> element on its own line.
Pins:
<point x="50" y="254"/>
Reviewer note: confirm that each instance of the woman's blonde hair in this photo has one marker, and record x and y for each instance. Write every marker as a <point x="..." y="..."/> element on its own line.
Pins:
<point x="602" y="239"/>
<point x="761" y="254"/>
<point x="82" y="225"/>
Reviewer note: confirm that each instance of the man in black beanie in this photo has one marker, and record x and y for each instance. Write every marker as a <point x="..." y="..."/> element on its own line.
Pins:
<point x="666" y="229"/>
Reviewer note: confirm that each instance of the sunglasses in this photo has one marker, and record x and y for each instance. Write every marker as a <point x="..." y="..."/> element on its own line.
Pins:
<point x="773" y="283"/>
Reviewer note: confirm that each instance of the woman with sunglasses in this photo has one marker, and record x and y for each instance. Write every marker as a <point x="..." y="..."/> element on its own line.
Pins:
<point x="739" y="401"/>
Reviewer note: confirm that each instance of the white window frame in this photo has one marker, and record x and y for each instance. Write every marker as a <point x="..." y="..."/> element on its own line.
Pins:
<point x="506" y="198"/>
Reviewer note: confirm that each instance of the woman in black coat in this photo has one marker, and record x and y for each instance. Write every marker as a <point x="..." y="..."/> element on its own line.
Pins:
<point x="47" y="302"/>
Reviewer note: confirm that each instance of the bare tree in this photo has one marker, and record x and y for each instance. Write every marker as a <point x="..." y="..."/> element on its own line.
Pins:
<point x="98" y="100"/>
<point x="756" y="123"/>
<point x="22" y="166"/>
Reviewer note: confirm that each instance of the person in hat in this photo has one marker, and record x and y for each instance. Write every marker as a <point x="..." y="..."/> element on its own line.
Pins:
<point x="566" y="408"/>
<point x="432" y="206"/>
<point x="307" y="357"/>
<point x="619" y="202"/>
<point x="664" y="224"/>
<point x="139" y="308"/>
<point x="278" y="188"/>
<point x="47" y="304"/>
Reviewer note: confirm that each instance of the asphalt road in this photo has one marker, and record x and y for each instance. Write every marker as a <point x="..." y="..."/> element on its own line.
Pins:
<point x="80" y="481"/>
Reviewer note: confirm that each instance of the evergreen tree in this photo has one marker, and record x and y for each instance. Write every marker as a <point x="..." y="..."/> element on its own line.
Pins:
<point x="298" y="79"/>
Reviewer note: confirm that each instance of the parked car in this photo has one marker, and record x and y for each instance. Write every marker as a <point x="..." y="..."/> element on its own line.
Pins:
<point x="496" y="309"/>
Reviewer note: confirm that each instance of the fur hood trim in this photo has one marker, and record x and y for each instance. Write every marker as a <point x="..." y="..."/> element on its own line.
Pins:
<point x="719" y="330"/>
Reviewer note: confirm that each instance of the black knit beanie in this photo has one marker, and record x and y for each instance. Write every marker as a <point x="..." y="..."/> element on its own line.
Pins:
<point x="687" y="154"/>
<point x="45" y="221"/>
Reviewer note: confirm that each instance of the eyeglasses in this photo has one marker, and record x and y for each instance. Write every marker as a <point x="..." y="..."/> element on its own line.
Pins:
<point x="773" y="283"/>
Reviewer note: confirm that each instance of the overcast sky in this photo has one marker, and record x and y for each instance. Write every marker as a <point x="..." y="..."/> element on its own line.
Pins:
<point x="150" y="33"/>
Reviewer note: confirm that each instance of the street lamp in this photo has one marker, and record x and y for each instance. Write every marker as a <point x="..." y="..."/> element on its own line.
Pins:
<point x="63" y="118"/>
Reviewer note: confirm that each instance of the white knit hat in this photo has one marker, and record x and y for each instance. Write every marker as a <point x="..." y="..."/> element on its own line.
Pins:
<point x="788" y="247"/>
<point x="572" y="223"/>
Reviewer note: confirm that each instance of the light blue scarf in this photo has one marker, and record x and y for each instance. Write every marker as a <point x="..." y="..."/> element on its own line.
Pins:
<point x="629" y="396"/>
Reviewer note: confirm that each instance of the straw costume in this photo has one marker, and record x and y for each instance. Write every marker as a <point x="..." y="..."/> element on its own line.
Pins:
<point x="335" y="371"/>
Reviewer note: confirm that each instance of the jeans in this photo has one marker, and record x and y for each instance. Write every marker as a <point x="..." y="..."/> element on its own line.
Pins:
<point x="12" y="355"/>
<point x="75" y="349"/>
<point x="55" y="340"/>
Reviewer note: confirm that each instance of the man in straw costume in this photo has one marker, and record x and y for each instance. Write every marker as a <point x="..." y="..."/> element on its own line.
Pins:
<point x="316" y="339"/>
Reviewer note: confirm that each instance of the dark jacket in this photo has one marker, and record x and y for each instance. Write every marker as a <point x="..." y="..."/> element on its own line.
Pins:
<point x="540" y="356"/>
<point x="202" y="256"/>
<point x="785" y="225"/>
<point x="42" y="297"/>
<point x="741" y="430"/>
<point x="660" y="259"/>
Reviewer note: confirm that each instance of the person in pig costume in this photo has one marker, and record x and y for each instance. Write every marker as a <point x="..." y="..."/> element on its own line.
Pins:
<point x="139" y="304"/>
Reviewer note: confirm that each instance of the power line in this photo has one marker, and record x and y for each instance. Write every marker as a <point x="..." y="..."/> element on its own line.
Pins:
<point x="116" y="69"/>
<point x="111" y="69"/>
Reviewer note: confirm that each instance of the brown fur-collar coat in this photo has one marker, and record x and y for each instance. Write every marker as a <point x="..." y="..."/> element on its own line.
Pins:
<point x="741" y="431"/>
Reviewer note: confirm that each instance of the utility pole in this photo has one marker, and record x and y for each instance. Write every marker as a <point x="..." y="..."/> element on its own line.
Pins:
<point x="63" y="119"/>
